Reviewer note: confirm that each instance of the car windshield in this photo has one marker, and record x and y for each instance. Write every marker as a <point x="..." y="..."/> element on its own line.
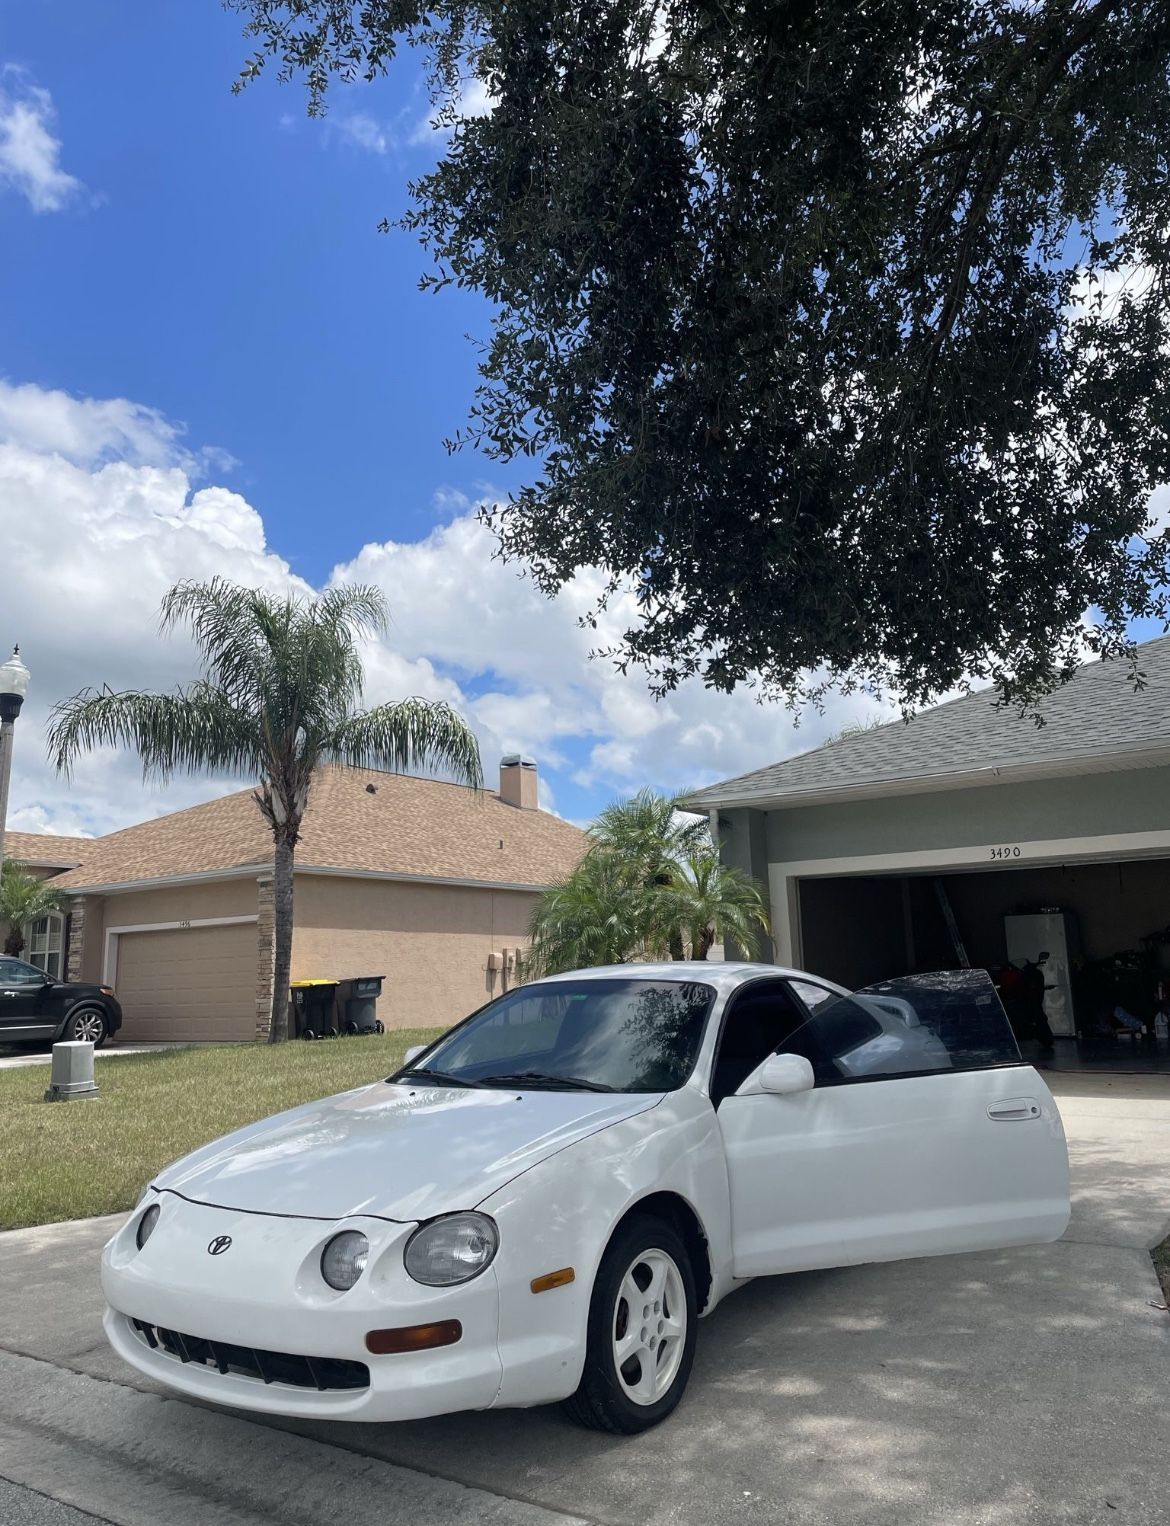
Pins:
<point x="604" y="1035"/>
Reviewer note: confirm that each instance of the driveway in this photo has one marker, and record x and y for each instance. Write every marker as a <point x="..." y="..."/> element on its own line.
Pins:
<point x="986" y="1390"/>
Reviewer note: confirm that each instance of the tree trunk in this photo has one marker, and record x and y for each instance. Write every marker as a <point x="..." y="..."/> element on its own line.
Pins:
<point x="677" y="948"/>
<point x="282" y="912"/>
<point x="14" y="941"/>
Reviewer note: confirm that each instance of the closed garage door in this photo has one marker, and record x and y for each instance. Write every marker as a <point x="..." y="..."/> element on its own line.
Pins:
<point x="188" y="983"/>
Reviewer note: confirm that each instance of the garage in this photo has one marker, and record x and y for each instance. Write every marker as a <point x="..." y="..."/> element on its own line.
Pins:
<point x="970" y="834"/>
<point x="1104" y="926"/>
<point x="187" y="983"/>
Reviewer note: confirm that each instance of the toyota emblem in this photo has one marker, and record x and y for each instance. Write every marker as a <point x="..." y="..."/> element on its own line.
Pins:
<point x="219" y="1245"/>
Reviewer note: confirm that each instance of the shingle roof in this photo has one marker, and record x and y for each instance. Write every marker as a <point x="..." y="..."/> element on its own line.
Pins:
<point x="1095" y="715"/>
<point x="45" y="850"/>
<point x="407" y="826"/>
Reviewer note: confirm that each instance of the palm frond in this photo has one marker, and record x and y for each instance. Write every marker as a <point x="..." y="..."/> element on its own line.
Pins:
<point x="24" y="896"/>
<point x="194" y="730"/>
<point x="408" y="734"/>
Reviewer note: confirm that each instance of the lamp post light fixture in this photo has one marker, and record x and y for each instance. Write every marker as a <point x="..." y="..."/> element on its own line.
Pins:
<point x="13" y="688"/>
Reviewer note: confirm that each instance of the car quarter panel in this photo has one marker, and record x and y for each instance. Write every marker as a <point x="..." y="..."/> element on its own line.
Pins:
<point x="563" y="1212"/>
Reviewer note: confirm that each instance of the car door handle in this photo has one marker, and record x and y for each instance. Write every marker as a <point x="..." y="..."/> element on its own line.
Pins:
<point x="1014" y="1110"/>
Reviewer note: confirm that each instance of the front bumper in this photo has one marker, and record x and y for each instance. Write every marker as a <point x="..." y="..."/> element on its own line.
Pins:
<point x="265" y="1293"/>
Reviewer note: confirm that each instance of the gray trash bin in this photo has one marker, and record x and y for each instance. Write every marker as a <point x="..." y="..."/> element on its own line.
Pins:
<point x="359" y="996"/>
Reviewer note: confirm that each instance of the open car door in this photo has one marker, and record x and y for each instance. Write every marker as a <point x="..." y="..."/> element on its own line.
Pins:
<point x="923" y="1133"/>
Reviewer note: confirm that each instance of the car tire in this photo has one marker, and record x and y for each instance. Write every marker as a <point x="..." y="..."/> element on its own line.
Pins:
<point x="646" y="1257"/>
<point x="87" y="1023"/>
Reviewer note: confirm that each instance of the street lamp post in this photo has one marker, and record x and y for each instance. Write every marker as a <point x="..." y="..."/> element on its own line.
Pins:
<point x="13" y="688"/>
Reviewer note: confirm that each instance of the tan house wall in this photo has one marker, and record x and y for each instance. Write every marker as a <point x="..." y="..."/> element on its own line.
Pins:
<point x="431" y="942"/>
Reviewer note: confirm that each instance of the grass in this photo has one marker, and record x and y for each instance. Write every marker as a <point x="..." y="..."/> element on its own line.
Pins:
<point x="70" y="1160"/>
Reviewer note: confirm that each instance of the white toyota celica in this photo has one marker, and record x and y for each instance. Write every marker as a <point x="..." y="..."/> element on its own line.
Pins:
<point x="541" y="1204"/>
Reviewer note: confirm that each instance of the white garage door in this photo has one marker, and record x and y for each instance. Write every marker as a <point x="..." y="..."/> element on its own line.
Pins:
<point x="188" y="983"/>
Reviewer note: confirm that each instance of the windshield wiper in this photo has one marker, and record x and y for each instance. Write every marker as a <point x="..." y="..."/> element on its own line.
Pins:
<point x="439" y="1077"/>
<point x="540" y="1078"/>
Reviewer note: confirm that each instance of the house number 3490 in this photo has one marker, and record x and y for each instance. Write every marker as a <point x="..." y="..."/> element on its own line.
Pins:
<point x="1012" y="851"/>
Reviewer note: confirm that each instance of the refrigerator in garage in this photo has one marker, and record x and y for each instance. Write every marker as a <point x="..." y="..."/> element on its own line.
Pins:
<point x="1056" y="934"/>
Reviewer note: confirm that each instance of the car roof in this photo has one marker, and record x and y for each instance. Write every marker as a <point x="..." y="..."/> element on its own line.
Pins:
<point x="724" y="975"/>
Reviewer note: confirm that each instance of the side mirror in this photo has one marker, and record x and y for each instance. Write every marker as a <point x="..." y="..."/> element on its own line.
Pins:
<point x="412" y="1054"/>
<point x="780" y="1075"/>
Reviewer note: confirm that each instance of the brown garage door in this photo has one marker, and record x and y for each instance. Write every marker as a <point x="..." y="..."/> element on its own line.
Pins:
<point x="188" y="983"/>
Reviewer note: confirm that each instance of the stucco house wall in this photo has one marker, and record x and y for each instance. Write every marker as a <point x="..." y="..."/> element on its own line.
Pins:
<point x="431" y="942"/>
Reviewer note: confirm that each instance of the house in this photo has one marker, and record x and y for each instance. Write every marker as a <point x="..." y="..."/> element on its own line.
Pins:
<point x="893" y="850"/>
<point x="44" y="857"/>
<point x="429" y="884"/>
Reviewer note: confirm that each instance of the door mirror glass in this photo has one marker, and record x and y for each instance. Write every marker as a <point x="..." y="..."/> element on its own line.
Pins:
<point x="412" y="1053"/>
<point x="780" y="1075"/>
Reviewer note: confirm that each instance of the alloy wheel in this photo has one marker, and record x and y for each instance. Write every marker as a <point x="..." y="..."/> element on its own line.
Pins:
<point x="649" y="1326"/>
<point x="88" y="1027"/>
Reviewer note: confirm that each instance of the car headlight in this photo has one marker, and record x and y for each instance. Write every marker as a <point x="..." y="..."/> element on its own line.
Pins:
<point x="344" y="1259"/>
<point x="452" y="1249"/>
<point x="146" y="1225"/>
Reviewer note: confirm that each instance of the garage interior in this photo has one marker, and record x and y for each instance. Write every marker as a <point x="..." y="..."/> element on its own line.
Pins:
<point x="1113" y="918"/>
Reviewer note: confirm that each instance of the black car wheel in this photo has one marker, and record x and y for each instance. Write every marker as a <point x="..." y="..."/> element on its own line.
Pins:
<point x="641" y="1340"/>
<point x="88" y="1026"/>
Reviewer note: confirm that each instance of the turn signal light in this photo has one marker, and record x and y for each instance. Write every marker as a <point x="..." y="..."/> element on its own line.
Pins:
<point x="553" y="1280"/>
<point x="414" y="1337"/>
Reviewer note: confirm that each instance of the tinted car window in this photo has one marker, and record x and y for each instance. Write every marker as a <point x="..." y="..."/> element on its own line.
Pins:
<point x="759" y="1018"/>
<point x="947" y="1021"/>
<point x="15" y="972"/>
<point x="620" y="1034"/>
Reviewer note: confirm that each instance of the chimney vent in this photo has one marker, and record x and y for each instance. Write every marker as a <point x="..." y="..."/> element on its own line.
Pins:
<point x="518" y="781"/>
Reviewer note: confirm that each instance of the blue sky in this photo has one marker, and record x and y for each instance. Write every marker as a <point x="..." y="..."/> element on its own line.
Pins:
<point x="216" y="364"/>
<point x="231" y="276"/>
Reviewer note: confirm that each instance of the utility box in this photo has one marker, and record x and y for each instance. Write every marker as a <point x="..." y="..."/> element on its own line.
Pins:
<point x="72" y="1079"/>
<point x="359" y="999"/>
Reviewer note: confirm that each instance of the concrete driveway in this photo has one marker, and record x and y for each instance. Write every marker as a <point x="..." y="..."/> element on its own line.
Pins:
<point x="987" y="1390"/>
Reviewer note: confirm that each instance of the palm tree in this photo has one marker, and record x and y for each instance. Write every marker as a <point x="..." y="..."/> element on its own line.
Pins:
<point x="23" y="898"/>
<point x="278" y="695"/>
<point x="715" y="902"/>
<point x="651" y="835"/>
<point x="650" y="885"/>
<point x="596" y="915"/>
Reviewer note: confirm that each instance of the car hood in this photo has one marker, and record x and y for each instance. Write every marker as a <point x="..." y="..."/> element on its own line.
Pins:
<point x="402" y="1152"/>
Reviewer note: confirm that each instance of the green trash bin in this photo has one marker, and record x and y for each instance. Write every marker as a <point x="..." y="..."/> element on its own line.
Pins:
<point x="314" y="1003"/>
<point x="358" y="997"/>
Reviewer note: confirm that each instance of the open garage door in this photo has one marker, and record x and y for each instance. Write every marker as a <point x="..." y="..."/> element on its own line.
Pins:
<point x="188" y="984"/>
<point x="858" y="929"/>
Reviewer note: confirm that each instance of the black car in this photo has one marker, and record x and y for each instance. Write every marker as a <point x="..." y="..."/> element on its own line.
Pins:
<point x="34" y="1007"/>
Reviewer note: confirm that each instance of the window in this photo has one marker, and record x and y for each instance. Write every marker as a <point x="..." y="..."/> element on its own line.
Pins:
<point x="924" y="1023"/>
<point x="761" y="1016"/>
<point x="44" y="942"/>
<point x="14" y="972"/>
<point x="614" y="1034"/>
<point x="812" y="995"/>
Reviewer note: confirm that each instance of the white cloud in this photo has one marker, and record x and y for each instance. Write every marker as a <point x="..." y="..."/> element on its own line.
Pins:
<point x="473" y="101"/>
<point x="101" y="502"/>
<point x="29" y="151"/>
<point x="456" y="604"/>
<point x="363" y="130"/>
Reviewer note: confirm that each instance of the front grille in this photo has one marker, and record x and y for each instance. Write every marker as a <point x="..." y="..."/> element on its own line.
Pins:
<point x="320" y="1372"/>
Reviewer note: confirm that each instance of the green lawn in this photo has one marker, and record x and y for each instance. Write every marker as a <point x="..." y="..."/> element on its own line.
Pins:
<point x="68" y="1160"/>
